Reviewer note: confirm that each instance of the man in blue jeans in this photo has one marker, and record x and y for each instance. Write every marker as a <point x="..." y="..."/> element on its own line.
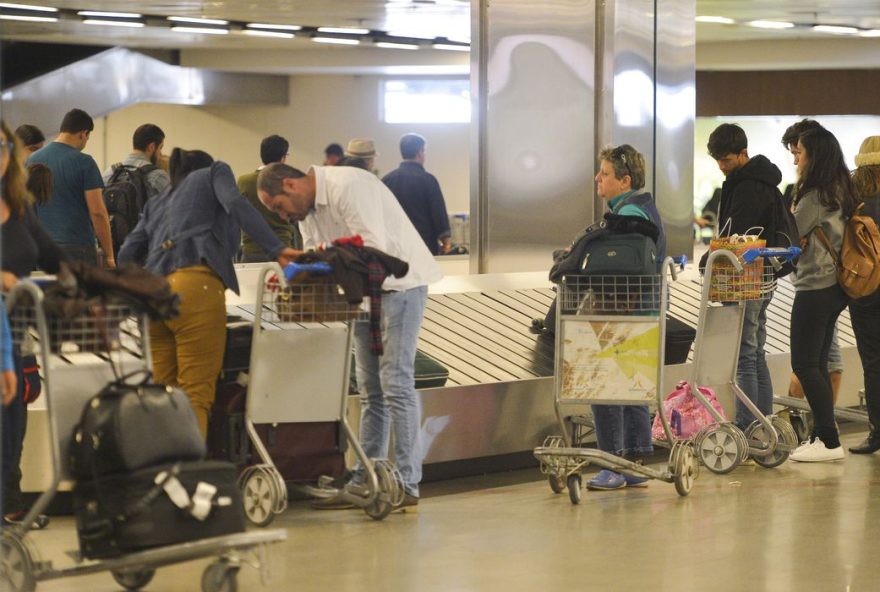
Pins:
<point x="750" y="186"/>
<point x="336" y="202"/>
<point x="625" y="430"/>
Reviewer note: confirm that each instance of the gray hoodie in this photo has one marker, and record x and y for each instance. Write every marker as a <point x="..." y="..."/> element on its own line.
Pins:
<point x="815" y="268"/>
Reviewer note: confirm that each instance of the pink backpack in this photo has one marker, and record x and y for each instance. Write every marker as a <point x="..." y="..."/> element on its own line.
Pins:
<point x="686" y="414"/>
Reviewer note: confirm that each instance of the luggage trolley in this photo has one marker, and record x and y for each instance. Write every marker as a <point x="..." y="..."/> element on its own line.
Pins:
<point x="120" y="337"/>
<point x="609" y="350"/>
<point x="300" y="364"/>
<point x="728" y="283"/>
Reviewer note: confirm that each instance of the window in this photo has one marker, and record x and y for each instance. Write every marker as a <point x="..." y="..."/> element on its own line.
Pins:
<point x="427" y="101"/>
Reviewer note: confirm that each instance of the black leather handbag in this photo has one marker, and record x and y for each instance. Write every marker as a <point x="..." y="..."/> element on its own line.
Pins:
<point x="130" y="425"/>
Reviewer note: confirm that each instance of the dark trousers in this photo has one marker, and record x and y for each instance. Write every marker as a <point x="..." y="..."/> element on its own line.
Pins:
<point x="865" y="316"/>
<point x="813" y="316"/>
<point x="14" y="427"/>
<point x="88" y="254"/>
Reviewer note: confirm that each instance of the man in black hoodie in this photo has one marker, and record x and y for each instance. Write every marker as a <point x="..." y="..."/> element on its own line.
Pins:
<point x="747" y="198"/>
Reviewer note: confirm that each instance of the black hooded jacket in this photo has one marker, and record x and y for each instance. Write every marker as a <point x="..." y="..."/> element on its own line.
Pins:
<point x="747" y="197"/>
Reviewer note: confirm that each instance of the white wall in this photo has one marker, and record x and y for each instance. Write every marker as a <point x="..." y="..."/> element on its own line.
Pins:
<point x="323" y="109"/>
<point x="765" y="135"/>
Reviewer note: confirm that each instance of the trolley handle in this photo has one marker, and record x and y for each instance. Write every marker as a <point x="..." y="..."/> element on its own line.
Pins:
<point x="291" y="270"/>
<point x="676" y="264"/>
<point x="776" y="256"/>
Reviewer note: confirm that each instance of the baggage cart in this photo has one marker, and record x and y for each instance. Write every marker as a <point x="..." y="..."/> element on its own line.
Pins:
<point x="729" y="282"/>
<point x="299" y="372"/>
<point x="120" y="337"/>
<point x="610" y="341"/>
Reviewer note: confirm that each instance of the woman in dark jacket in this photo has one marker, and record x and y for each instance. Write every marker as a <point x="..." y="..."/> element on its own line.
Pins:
<point x="865" y="312"/>
<point x="190" y="234"/>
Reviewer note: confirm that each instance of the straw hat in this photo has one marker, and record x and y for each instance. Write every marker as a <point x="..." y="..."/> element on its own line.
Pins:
<point x="361" y="148"/>
<point x="869" y="152"/>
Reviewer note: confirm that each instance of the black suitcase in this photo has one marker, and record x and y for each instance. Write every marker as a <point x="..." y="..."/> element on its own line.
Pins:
<point x="126" y="513"/>
<point x="237" y="355"/>
<point x="227" y="435"/>
<point x="679" y="338"/>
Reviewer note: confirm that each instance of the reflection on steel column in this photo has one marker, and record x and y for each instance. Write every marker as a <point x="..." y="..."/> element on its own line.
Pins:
<point x="534" y="185"/>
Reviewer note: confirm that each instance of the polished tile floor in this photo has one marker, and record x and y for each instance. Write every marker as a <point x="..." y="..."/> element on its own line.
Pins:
<point x="798" y="527"/>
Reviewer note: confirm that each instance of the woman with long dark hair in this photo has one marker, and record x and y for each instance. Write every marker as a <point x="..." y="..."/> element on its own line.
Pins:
<point x="824" y="199"/>
<point x="190" y="234"/>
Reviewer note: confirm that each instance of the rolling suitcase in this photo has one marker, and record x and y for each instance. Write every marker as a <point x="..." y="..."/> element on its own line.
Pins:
<point x="679" y="338"/>
<point x="157" y="506"/>
<point x="304" y="451"/>
<point x="227" y="436"/>
<point x="237" y="355"/>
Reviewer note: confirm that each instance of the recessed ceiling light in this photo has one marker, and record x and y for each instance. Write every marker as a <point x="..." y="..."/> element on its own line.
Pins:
<point x="100" y="13"/>
<point x="336" y="40"/>
<point x="206" y="30"/>
<point x="391" y="45"/>
<point x="274" y="27"/>
<point x="448" y="47"/>
<point x="770" y="24"/>
<point x="835" y="29"/>
<point x="276" y="34"/>
<point x="30" y="19"/>
<point x="870" y="33"/>
<point x="410" y="35"/>
<point x="198" y="21"/>
<point x="718" y="20"/>
<point x="27" y="7"/>
<point x="110" y="23"/>
<point x="343" y="30"/>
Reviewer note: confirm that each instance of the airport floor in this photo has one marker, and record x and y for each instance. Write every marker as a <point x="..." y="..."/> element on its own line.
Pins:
<point x="804" y="527"/>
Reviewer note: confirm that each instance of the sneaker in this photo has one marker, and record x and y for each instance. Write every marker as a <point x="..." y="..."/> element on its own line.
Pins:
<point x="606" y="480"/>
<point x="17" y="518"/>
<point x="632" y="481"/>
<point x="816" y="451"/>
<point x="410" y="503"/>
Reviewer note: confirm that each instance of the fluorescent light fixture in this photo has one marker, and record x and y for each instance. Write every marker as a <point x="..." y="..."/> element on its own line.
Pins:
<point x="109" y="23"/>
<point x="459" y="40"/>
<point x="276" y="34"/>
<point x="336" y="41"/>
<point x="410" y="35"/>
<point x="30" y="19"/>
<point x="770" y="24"/>
<point x="870" y="33"/>
<point x="718" y="20"/>
<point x="391" y="45"/>
<point x="27" y="7"/>
<point x="343" y="30"/>
<point x="835" y="29"/>
<point x="206" y="30"/>
<point x="448" y="47"/>
<point x="102" y="14"/>
<point x="197" y="21"/>
<point x="273" y="27"/>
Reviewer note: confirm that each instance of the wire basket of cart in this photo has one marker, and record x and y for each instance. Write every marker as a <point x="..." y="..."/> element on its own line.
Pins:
<point x="300" y="368"/>
<point x="106" y="341"/>
<point x="609" y="350"/>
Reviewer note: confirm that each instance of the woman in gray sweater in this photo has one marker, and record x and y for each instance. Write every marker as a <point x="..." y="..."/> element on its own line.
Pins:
<point x="824" y="198"/>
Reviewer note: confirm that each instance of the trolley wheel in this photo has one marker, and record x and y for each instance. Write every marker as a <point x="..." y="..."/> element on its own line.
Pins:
<point x="787" y="441"/>
<point x="16" y="566"/>
<point x="719" y="448"/>
<point x="685" y="470"/>
<point x="259" y="498"/>
<point x="390" y="491"/>
<point x="574" y="488"/>
<point x="557" y="483"/>
<point x="220" y="576"/>
<point x="134" y="580"/>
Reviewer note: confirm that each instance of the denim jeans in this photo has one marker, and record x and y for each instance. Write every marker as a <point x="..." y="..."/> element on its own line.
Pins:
<point x="865" y="315"/>
<point x="813" y="316"/>
<point x="624" y="430"/>
<point x="388" y="386"/>
<point x="752" y="373"/>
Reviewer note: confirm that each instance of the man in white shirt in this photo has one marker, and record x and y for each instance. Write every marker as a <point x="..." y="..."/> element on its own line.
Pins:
<point x="335" y="202"/>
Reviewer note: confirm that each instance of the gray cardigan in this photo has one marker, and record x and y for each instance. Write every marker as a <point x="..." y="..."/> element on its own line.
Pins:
<point x="815" y="268"/>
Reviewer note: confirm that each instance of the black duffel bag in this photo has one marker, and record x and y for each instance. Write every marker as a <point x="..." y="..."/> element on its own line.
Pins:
<point x="131" y="425"/>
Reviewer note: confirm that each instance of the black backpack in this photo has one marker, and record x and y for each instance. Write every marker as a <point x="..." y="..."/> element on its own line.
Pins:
<point x="784" y="232"/>
<point x="125" y="196"/>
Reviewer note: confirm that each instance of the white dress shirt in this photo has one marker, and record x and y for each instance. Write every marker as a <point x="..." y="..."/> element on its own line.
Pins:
<point x="350" y="201"/>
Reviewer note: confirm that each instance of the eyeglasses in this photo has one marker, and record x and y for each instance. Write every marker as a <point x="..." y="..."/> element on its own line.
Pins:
<point x="6" y="147"/>
<point x="620" y="154"/>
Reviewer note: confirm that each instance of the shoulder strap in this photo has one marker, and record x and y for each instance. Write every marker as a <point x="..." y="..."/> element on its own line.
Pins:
<point x="827" y="244"/>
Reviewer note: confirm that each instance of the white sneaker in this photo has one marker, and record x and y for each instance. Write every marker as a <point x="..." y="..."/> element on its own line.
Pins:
<point x="816" y="451"/>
